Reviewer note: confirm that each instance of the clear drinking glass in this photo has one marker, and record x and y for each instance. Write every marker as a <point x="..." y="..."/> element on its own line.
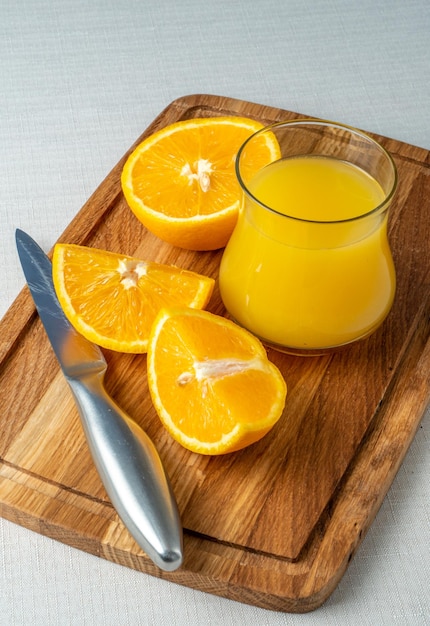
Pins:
<point x="308" y="267"/>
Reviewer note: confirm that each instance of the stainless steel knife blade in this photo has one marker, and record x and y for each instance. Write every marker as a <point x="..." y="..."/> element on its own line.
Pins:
<point x="126" y="459"/>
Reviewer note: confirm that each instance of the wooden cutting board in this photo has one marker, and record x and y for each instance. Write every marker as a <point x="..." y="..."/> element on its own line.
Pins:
<point x="276" y="524"/>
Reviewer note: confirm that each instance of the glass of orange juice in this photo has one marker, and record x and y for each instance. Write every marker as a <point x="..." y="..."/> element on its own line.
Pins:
<point x="308" y="267"/>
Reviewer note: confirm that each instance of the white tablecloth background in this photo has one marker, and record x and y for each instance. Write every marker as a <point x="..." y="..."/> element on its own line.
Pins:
<point x="79" y="82"/>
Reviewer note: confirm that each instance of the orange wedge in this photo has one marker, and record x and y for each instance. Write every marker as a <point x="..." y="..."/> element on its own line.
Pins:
<point x="113" y="299"/>
<point x="180" y="182"/>
<point x="211" y="382"/>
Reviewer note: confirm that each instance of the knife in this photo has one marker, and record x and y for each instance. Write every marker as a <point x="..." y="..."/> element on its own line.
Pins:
<point x="126" y="459"/>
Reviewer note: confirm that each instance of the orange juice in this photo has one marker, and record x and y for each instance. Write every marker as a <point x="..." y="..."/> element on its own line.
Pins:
<point x="314" y="270"/>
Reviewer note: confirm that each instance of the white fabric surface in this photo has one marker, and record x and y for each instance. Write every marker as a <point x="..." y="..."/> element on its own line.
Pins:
<point x="79" y="82"/>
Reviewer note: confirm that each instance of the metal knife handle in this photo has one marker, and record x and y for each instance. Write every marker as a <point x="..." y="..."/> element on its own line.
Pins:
<point x="131" y="471"/>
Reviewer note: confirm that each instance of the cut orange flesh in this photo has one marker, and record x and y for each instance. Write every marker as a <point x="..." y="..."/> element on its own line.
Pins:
<point x="211" y="382"/>
<point x="113" y="299"/>
<point x="181" y="184"/>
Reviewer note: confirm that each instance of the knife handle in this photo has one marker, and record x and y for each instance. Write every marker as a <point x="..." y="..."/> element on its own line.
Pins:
<point x="131" y="472"/>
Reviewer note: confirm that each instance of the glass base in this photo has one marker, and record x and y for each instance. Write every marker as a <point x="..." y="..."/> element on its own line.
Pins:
<point x="309" y="352"/>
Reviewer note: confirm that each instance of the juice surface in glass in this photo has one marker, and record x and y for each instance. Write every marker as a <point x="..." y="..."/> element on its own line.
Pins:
<point x="314" y="270"/>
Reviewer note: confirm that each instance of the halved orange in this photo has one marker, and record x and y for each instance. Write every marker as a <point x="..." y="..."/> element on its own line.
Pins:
<point x="180" y="182"/>
<point x="112" y="299"/>
<point x="211" y="381"/>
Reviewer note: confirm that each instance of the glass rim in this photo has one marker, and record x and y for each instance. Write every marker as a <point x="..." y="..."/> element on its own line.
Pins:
<point x="318" y="122"/>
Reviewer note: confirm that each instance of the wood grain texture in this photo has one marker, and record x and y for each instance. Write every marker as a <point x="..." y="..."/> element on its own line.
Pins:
<point x="276" y="524"/>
